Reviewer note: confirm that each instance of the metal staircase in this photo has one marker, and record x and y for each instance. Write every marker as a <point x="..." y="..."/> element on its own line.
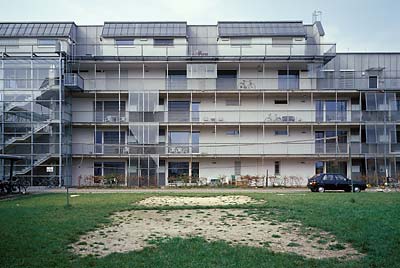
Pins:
<point x="36" y="163"/>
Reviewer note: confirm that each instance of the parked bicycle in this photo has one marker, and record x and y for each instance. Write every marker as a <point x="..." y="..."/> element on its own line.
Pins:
<point x="247" y="84"/>
<point x="15" y="185"/>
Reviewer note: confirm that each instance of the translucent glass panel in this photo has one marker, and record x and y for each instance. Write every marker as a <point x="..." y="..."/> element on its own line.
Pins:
<point x="331" y="110"/>
<point x="381" y="101"/>
<point x="148" y="29"/>
<point x="261" y="29"/>
<point x="35" y="29"/>
<point x="143" y="133"/>
<point x="143" y="170"/>
<point x="201" y="70"/>
<point x="143" y="101"/>
<point x="30" y="114"/>
<point x="381" y="134"/>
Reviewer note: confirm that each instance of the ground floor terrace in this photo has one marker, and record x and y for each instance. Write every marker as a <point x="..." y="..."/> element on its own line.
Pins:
<point x="153" y="171"/>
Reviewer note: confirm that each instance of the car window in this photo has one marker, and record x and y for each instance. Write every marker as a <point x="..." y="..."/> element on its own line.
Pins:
<point x="340" y="177"/>
<point x="329" y="177"/>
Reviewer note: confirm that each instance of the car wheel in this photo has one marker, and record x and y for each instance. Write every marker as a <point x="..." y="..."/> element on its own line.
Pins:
<point x="356" y="189"/>
<point x="321" y="189"/>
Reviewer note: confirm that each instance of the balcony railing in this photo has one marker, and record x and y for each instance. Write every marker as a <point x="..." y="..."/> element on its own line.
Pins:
<point x="239" y="115"/>
<point x="241" y="84"/>
<point x="206" y="50"/>
<point x="296" y="148"/>
<point x="73" y="81"/>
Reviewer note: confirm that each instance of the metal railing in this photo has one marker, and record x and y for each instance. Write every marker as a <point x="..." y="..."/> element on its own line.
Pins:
<point x="239" y="114"/>
<point x="243" y="148"/>
<point x="206" y="50"/>
<point x="242" y="84"/>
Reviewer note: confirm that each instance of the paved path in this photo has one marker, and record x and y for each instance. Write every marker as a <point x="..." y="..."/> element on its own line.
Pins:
<point x="169" y="190"/>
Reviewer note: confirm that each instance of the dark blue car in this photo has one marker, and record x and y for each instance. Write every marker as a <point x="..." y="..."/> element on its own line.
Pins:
<point x="330" y="181"/>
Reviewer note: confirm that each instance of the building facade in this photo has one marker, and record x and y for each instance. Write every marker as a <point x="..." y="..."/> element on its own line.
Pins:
<point x="156" y="103"/>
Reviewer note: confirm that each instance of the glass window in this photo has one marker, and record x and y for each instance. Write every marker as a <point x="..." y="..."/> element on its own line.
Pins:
<point x="178" y="137"/>
<point x="280" y="101"/>
<point x="232" y="132"/>
<point x="288" y="79"/>
<point x="340" y="178"/>
<point x="319" y="167"/>
<point x="277" y="167"/>
<point x="281" y="132"/>
<point x="195" y="141"/>
<point x="113" y="168"/>
<point x="179" y="111"/>
<point x="124" y="42"/>
<point x="195" y="111"/>
<point x="178" y="169"/>
<point x="195" y="170"/>
<point x="112" y="137"/>
<point x="163" y="42"/>
<point x="47" y="42"/>
<point x="373" y="81"/>
<point x="241" y="42"/>
<point x="98" y="169"/>
<point x="281" y="41"/>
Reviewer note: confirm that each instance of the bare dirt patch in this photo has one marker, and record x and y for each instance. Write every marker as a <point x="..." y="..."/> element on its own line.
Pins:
<point x="156" y="201"/>
<point x="135" y="230"/>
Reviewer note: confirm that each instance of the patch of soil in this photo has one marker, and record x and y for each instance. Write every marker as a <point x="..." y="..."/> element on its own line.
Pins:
<point x="226" y="200"/>
<point x="135" y="230"/>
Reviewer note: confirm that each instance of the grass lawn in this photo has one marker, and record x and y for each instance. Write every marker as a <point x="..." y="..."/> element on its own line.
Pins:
<point x="36" y="231"/>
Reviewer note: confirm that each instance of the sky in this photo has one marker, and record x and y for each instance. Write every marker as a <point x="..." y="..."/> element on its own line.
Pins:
<point x="354" y="25"/>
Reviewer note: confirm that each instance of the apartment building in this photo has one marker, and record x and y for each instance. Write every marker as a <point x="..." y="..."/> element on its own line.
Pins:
<point x="153" y="103"/>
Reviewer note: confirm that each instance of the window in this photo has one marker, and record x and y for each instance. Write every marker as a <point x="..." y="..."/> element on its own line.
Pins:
<point x="240" y="42"/>
<point x="329" y="177"/>
<point x="340" y="178"/>
<point x="226" y="79"/>
<point x="277" y="167"/>
<point x="373" y="81"/>
<point x="9" y="42"/>
<point x="164" y="42"/>
<point x="319" y="167"/>
<point x="124" y="42"/>
<point x="109" y="168"/>
<point x="233" y="132"/>
<point x="281" y="102"/>
<point x="179" y="111"/>
<point x="195" y="170"/>
<point x="178" y="169"/>
<point x="195" y="141"/>
<point x="238" y="167"/>
<point x="281" y="132"/>
<point x="346" y="79"/>
<point x="281" y="42"/>
<point x="195" y="111"/>
<point x="178" y="137"/>
<point x="46" y="42"/>
<point x="232" y="102"/>
<point x="177" y="79"/>
<point x="288" y="79"/>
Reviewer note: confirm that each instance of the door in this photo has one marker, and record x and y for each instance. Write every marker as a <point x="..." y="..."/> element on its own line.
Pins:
<point x="342" y="182"/>
<point x="329" y="181"/>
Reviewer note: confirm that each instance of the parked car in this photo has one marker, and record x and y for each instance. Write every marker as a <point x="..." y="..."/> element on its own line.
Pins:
<point x="329" y="181"/>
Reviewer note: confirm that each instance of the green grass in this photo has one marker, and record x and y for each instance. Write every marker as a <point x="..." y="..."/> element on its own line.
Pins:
<point x="35" y="231"/>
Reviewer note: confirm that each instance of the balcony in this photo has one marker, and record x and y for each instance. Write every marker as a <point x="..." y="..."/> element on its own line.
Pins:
<point x="33" y="49"/>
<point x="233" y="116"/>
<point x="298" y="51"/>
<point x="297" y="149"/>
<point x="73" y="81"/>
